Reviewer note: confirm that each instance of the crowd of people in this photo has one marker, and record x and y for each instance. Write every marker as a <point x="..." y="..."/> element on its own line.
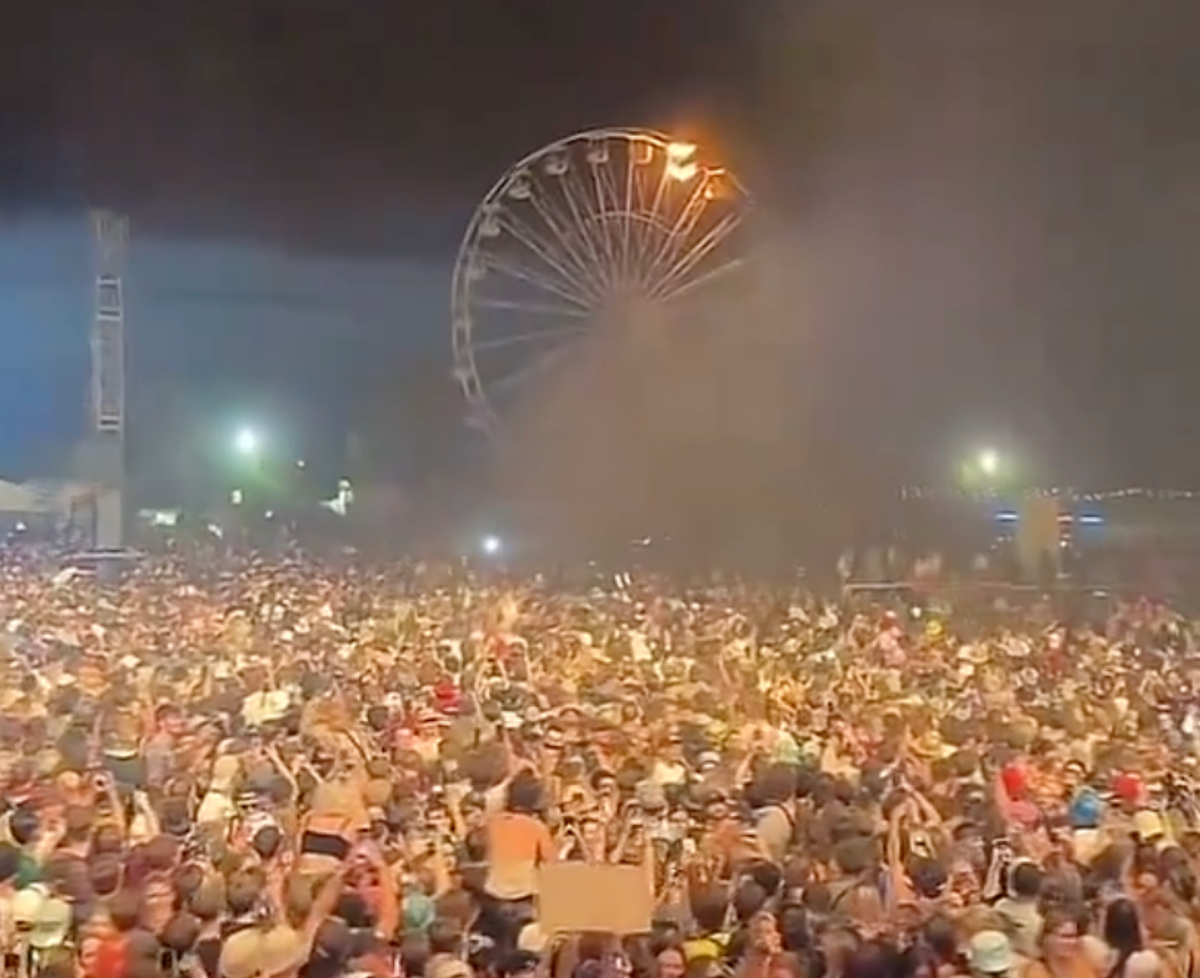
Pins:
<point x="235" y="768"/>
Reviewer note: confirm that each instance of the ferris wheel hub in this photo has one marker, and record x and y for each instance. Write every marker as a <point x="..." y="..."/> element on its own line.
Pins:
<point x="629" y="306"/>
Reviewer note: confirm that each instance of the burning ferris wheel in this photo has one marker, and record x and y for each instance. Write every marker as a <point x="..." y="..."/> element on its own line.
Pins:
<point x="599" y="228"/>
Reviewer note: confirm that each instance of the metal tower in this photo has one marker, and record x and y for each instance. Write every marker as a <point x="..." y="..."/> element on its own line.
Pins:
<point x="111" y="235"/>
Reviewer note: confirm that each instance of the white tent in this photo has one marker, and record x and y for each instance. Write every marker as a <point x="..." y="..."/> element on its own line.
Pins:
<point x="57" y="495"/>
<point x="18" y="499"/>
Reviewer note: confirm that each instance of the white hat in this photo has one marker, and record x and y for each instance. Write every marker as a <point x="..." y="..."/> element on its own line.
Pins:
<point x="532" y="939"/>
<point x="44" y="918"/>
<point x="52" y="924"/>
<point x="990" y="953"/>
<point x="263" y="952"/>
<point x="26" y="903"/>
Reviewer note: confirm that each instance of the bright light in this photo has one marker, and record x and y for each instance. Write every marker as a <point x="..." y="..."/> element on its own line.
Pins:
<point x="679" y="152"/>
<point x="989" y="462"/>
<point x="246" y="442"/>
<point x="682" y="172"/>
<point x="490" y="545"/>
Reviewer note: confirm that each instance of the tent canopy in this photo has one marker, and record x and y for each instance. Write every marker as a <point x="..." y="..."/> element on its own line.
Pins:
<point x="18" y="499"/>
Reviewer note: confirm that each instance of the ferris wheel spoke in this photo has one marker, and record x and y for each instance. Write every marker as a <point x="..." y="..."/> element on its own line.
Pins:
<point x="579" y="260"/>
<point x="691" y="287"/>
<point x="607" y="211"/>
<point x="696" y="254"/>
<point x="538" y="279"/>
<point x="679" y="245"/>
<point x="535" y="336"/>
<point x="615" y="222"/>
<point x="672" y="243"/>
<point x="584" y="216"/>
<point x="531" y="370"/>
<point x="647" y="238"/>
<point x="536" y="308"/>
<point x="630" y="204"/>
<point x="567" y="275"/>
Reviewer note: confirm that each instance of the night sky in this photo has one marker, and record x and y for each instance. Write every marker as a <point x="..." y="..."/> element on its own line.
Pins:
<point x="987" y="214"/>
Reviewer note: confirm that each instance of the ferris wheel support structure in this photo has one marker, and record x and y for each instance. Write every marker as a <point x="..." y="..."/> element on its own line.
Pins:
<point x="106" y="458"/>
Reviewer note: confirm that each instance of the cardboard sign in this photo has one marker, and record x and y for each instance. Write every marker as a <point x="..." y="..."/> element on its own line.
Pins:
<point x="575" y="897"/>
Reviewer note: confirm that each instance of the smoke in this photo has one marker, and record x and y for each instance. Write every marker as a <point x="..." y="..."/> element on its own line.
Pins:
<point x="970" y="209"/>
<point x="702" y="422"/>
<point x="1003" y="198"/>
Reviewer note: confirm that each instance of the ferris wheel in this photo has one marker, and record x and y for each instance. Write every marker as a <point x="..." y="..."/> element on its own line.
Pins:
<point x="585" y="234"/>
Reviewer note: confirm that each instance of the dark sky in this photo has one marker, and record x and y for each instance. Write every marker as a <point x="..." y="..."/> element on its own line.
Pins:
<point x="315" y="124"/>
<point x="985" y="216"/>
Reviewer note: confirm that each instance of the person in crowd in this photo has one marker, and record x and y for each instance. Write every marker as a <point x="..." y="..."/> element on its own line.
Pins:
<point x="237" y="768"/>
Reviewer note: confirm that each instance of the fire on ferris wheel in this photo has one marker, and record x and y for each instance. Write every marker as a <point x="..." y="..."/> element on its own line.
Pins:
<point x="601" y="225"/>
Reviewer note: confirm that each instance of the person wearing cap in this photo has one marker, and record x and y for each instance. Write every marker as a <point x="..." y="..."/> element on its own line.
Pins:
<point x="264" y="952"/>
<point x="990" y="955"/>
<point x="707" y="761"/>
<point x="40" y="921"/>
<point x="268" y="949"/>
<point x="1085" y="815"/>
<point x="1149" y="827"/>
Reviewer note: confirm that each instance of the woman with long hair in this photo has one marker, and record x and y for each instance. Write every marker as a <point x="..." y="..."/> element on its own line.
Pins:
<point x="1121" y="952"/>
